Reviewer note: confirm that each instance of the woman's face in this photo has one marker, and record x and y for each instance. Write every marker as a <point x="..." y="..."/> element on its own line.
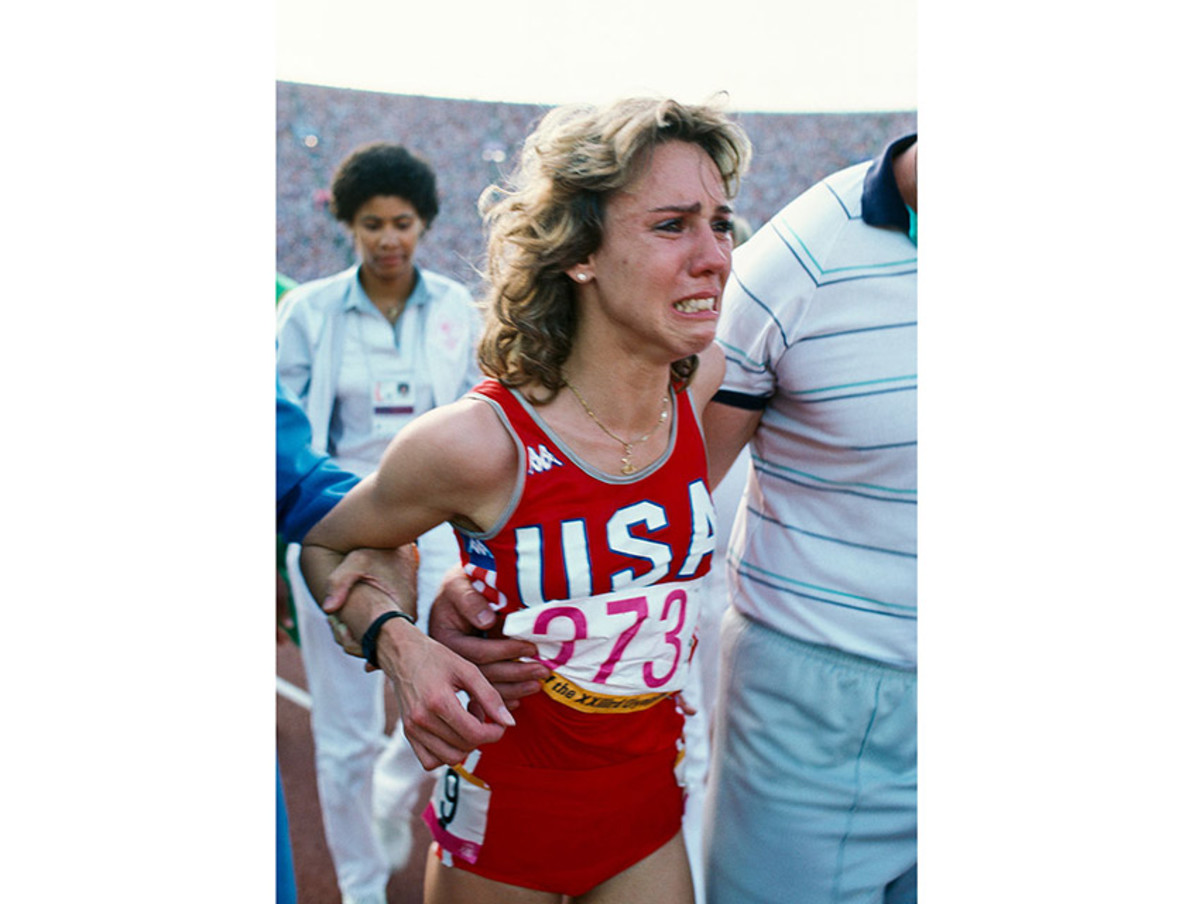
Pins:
<point x="386" y="230"/>
<point x="665" y="253"/>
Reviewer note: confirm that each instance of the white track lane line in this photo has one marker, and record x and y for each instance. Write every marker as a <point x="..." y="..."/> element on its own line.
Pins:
<point x="290" y="692"/>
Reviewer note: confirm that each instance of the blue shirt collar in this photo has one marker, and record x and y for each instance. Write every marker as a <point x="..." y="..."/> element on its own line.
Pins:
<point x="357" y="298"/>
<point x="881" y="201"/>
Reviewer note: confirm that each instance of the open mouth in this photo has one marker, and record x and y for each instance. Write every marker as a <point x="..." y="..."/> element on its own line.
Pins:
<point x="695" y="305"/>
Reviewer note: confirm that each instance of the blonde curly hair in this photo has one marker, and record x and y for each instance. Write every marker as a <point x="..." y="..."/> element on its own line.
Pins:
<point x="551" y="217"/>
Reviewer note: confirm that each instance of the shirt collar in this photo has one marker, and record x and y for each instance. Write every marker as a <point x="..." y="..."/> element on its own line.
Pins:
<point x="881" y="201"/>
<point x="357" y="299"/>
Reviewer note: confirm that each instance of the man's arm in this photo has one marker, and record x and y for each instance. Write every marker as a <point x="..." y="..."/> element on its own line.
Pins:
<point x="729" y="418"/>
<point x="727" y="428"/>
<point x="460" y="617"/>
<point x="307" y="484"/>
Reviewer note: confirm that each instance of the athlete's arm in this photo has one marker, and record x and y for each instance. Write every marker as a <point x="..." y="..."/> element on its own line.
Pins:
<point x="455" y="463"/>
<point x="449" y="464"/>
<point x="460" y="616"/>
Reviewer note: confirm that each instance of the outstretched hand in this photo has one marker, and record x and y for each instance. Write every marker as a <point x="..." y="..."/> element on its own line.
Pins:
<point x="426" y="678"/>
<point x="458" y="619"/>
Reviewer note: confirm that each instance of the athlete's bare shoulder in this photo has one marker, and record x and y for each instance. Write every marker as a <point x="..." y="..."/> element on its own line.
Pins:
<point x="459" y="454"/>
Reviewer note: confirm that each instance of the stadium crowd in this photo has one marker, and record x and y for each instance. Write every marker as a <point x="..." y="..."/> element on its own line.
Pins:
<point x="470" y="144"/>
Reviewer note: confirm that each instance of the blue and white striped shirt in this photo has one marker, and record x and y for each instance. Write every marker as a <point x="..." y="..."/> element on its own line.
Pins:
<point x="819" y="328"/>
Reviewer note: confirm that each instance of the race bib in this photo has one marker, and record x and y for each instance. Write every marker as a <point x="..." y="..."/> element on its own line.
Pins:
<point x="457" y="812"/>
<point x="619" y="652"/>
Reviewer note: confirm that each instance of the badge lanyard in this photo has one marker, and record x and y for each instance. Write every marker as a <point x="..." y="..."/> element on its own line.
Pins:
<point x="392" y="397"/>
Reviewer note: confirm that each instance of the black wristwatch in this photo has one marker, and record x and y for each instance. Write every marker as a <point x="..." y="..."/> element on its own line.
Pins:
<point x="371" y="635"/>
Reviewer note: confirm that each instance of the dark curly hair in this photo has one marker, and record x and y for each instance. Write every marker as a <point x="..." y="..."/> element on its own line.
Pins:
<point x="383" y="169"/>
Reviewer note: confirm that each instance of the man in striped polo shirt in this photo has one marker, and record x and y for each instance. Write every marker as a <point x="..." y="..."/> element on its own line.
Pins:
<point x="813" y="794"/>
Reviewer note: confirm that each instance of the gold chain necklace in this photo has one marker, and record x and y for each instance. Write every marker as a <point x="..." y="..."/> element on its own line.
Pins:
<point x="626" y="465"/>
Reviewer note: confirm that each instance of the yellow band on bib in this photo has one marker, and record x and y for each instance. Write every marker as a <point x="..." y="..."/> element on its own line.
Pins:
<point x="466" y="776"/>
<point x="565" y="691"/>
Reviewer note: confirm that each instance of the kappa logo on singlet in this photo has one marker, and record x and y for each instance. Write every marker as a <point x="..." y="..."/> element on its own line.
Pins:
<point x="541" y="459"/>
<point x="477" y="549"/>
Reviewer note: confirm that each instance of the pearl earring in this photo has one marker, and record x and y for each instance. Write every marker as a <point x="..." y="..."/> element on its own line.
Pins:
<point x="582" y="277"/>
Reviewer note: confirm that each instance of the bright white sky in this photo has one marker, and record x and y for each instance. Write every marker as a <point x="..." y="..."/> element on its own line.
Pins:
<point x="799" y="56"/>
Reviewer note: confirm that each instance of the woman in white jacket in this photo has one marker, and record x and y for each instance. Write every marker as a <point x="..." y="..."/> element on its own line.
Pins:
<point x="366" y="351"/>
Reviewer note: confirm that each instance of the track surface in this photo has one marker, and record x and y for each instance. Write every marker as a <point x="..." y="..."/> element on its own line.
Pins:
<point x="315" y="879"/>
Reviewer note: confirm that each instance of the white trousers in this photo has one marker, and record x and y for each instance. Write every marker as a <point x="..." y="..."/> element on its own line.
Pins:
<point x="362" y="774"/>
<point x="700" y="692"/>
<point x="703" y="679"/>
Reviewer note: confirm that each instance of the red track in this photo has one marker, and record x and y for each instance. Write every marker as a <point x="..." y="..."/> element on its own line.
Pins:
<point x="315" y="880"/>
